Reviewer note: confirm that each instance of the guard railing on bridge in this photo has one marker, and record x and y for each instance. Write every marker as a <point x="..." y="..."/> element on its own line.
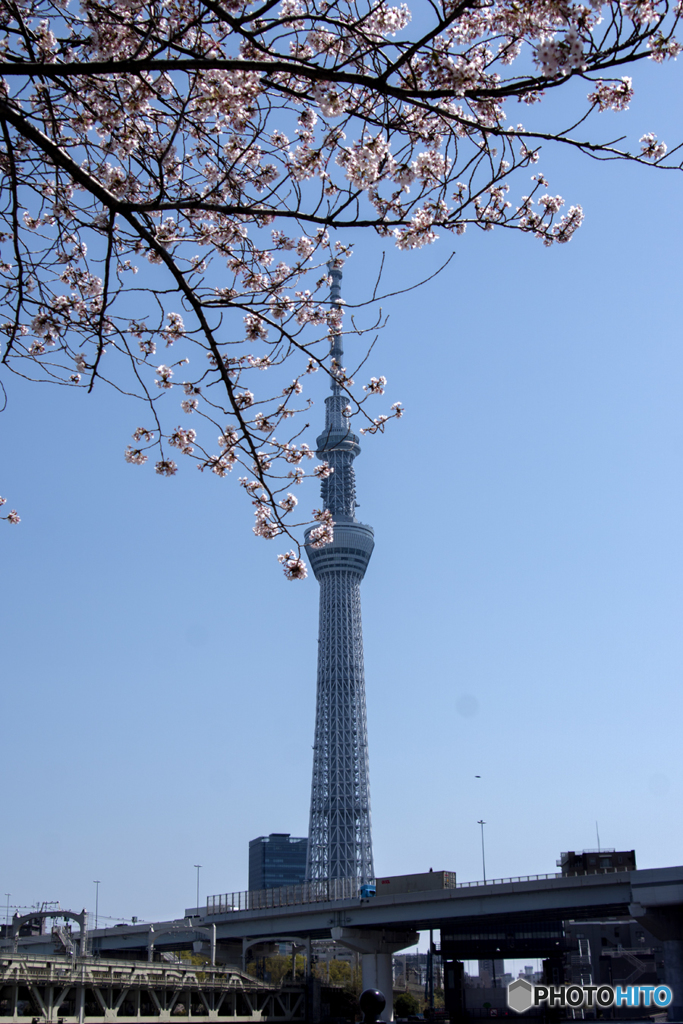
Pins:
<point x="285" y="896"/>
<point x="327" y="890"/>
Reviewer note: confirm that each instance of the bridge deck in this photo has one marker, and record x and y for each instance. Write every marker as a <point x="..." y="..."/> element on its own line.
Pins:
<point x="550" y="897"/>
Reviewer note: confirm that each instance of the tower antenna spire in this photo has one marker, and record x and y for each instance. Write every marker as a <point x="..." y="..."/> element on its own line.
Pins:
<point x="336" y="280"/>
<point x="337" y="345"/>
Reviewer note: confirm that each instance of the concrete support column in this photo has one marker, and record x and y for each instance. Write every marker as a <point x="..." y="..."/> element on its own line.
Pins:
<point x="378" y="973"/>
<point x="377" y="948"/>
<point x="666" y="924"/>
<point x="81" y="997"/>
<point x="673" y="968"/>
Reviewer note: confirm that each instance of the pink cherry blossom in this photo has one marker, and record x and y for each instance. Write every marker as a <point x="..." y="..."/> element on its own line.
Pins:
<point x="293" y="566"/>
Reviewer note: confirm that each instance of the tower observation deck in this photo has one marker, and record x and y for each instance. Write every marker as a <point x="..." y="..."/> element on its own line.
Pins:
<point x="340" y="840"/>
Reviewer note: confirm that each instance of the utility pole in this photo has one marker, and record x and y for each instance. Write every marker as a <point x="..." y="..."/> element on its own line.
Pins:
<point x="483" y="857"/>
<point x="97" y="899"/>
<point x="430" y="971"/>
<point x="198" y="867"/>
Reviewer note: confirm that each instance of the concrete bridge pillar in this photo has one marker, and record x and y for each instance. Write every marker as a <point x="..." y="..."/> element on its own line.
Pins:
<point x="666" y="924"/>
<point x="378" y="974"/>
<point x="377" y="949"/>
<point x="673" y="970"/>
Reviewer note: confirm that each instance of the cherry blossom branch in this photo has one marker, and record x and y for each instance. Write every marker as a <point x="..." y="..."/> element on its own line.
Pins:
<point x="212" y="146"/>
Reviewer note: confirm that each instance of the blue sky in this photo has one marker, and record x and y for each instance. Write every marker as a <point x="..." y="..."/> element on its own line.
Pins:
<point x="522" y="610"/>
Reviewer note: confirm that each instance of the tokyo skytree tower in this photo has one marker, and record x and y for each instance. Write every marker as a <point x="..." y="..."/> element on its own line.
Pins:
<point x="339" y="837"/>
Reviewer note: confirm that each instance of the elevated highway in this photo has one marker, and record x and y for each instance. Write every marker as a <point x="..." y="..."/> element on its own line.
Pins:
<point x="580" y="896"/>
<point x="379" y="926"/>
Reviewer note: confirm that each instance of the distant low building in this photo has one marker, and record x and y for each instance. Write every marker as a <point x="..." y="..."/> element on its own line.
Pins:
<point x="412" y="969"/>
<point x="530" y="975"/>
<point x="591" y="862"/>
<point x="491" y="973"/>
<point x="276" y="860"/>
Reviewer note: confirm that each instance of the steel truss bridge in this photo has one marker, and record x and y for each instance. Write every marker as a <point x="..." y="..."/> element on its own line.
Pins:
<point x="73" y="990"/>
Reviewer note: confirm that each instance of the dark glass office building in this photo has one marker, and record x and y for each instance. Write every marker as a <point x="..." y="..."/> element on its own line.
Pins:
<point x="277" y="859"/>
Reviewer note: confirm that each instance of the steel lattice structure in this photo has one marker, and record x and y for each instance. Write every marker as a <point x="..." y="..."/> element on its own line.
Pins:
<point x="340" y="840"/>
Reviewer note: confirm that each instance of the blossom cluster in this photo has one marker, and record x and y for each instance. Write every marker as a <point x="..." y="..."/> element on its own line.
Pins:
<point x="322" y="534"/>
<point x="13" y="516"/>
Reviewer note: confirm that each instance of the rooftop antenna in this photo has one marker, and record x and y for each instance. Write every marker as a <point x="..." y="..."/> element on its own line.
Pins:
<point x="598" y="835"/>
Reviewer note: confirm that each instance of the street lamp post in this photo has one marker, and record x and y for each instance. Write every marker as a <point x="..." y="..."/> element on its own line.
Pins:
<point x="198" y="866"/>
<point x="483" y="857"/>
<point x="97" y="899"/>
